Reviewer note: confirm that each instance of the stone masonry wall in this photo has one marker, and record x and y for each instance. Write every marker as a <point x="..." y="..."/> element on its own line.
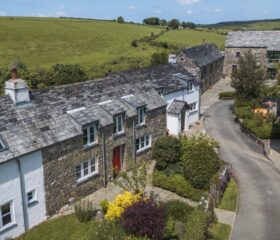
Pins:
<point x="60" y="160"/>
<point x="231" y="59"/>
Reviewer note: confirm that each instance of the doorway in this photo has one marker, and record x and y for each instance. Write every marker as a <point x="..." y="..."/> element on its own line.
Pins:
<point x="118" y="157"/>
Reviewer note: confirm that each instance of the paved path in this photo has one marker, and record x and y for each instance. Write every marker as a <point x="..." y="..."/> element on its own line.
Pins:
<point x="224" y="216"/>
<point x="258" y="214"/>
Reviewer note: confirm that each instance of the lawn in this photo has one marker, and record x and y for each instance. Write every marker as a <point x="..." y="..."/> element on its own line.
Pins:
<point x="42" y="42"/>
<point x="229" y="199"/>
<point x="220" y="231"/>
<point x="59" y="229"/>
<point x="189" y="38"/>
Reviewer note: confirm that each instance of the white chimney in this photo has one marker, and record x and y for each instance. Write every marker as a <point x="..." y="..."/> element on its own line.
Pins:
<point x="172" y="59"/>
<point x="17" y="89"/>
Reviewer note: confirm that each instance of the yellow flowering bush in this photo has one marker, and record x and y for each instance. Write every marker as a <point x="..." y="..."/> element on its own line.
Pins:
<point x="119" y="204"/>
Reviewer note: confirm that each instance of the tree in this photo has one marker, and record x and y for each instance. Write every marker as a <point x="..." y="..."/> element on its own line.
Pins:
<point x="248" y="79"/>
<point x="174" y="24"/>
<point x="163" y="22"/>
<point x="159" y="58"/>
<point x="166" y="151"/>
<point x="189" y="25"/>
<point x="120" y="19"/>
<point x="151" y="21"/>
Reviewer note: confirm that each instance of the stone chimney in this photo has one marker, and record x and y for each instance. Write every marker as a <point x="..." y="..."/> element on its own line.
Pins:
<point x="17" y="89"/>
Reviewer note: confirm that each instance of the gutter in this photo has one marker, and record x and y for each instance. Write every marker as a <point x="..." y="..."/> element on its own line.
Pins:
<point x="23" y="198"/>
<point x="104" y="159"/>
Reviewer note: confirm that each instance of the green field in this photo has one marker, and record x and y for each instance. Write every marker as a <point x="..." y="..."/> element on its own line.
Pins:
<point x="188" y="38"/>
<point x="42" y="42"/>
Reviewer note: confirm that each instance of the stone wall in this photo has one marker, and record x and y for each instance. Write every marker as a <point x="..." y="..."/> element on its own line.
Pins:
<point x="60" y="160"/>
<point x="231" y="58"/>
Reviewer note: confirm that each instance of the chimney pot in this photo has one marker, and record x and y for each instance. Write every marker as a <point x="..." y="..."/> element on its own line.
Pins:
<point x="14" y="75"/>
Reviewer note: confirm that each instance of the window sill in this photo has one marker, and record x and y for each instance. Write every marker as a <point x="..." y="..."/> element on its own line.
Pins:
<point x="120" y="134"/>
<point x="193" y="111"/>
<point x="81" y="181"/>
<point x="8" y="227"/>
<point x="141" y="125"/>
<point x="32" y="203"/>
<point x="143" y="150"/>
<point x="192" y="91"/>
<point x="85" y="147"/>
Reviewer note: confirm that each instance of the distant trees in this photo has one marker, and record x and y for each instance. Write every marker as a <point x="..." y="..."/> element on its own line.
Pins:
<point x="152" y="21"/>
<point x="174" y="24"/>
<point x="248" y="79"/>
<point x="162" y="22"/>
<point x="120" y="19"/>
<point x="189" y="25"/>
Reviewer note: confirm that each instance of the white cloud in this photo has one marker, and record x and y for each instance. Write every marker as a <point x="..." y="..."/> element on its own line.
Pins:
<point x="2" y="13"/>
<point x="186" y="2"/>
<point x="190" y="12"/>
<point x="217" y="10"/>
<point x="131" y="7"/>
<point x="41" y="14"/>
<point x="60" y="12"/>
<point x="158" y="11"/>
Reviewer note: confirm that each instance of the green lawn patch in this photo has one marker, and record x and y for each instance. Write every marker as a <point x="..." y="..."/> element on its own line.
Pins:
<point x="220" y="231"/>
<point x="229" y="199"/>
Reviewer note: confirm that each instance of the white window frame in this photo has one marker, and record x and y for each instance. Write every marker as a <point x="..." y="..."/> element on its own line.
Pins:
<point x="118" y="121"/>
<point x="2" y="145"/>
<point x="10" y="213"/>
<point x="88" y="135"/>
<point x="34" y="197"/>
<point x="190" y="87"/>
<point x="144" y="143"/>
<point x="141" y="110"/>
<point x="86" y="172"/>
<point x="193" y="107"/>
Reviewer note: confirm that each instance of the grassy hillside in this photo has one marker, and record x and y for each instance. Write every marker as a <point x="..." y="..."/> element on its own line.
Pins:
<point x="42" y="42"/>
<point x="188" y="38"/>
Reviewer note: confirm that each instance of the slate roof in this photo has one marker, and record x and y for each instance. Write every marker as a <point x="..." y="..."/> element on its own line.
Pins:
<point x="203" y="55"/>
<point x="177" y="106"/>
<point x="59" y="113"/>
<point x="254" y="39"/>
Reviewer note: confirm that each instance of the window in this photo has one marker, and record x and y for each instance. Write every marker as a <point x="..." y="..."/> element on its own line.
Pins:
<point x="31" y="197"/>
<point x="234" y="68"/>
<point x="143" y="143"/>
<point x="90" y="135"/>
<point x="6" y="215"/>
<point x="141" y="115"/>
<point x="238" y="54"/>
<point x="86" y="169"/>
<point x="193" y="106"/>
<point x="118" y="121"/>
<point x="189" y="86"/>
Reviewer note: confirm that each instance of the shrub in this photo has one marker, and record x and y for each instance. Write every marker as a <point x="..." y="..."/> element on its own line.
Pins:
<point x="121" y="202"/>
<point x="104" y="204"/>
<point x="166" y="151"/>
<point x="145" y="218"/>
<point x="84" y="211"/>
<point x="134" y="43"/>
<point x="244" y="113"/>
<point x="227" y="95"/>
<point x="196" y="226"/>
<point x="178" y="184"/>
<point x="159" y="58"/>
<point x="200" y="161"/>
<point x="178" y="210"/>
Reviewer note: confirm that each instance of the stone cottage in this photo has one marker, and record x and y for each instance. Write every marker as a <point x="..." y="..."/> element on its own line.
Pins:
<point x="62" y="143"/>
<point x="265" y="45"/>
<point x="205" y="62"/>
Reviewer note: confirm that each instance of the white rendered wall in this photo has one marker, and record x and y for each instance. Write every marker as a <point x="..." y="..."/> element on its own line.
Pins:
<point x="173" y="124"/>
<point x="10" y="190"/>
<point x="32" y="167"/>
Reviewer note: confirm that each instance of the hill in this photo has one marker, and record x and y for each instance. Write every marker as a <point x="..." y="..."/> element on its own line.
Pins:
<point x="96" y="45"/>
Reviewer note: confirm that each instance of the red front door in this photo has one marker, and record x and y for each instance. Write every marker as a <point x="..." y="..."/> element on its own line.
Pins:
<point x="117" y="162"/>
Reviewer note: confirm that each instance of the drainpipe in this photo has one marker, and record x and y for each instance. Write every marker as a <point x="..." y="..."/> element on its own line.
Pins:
<point x="23" y="198"/>
<point x="104" y="158"/>
<point x="133" y="143"/>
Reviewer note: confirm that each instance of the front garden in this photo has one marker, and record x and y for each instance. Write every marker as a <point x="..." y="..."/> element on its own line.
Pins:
<point x="189" y="167"/>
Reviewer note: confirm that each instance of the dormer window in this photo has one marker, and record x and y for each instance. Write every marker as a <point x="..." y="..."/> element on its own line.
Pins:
<point x="189" y="86"/>
<point x="90" y="135"/>
<point x="141" y="115"/>
<point x="119" y="124"/>
<point x="238" y="54"/>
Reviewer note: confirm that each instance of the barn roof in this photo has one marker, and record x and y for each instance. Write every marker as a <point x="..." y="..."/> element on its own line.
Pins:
<point x="254" y="39"/>
<point x="203" y="54"/>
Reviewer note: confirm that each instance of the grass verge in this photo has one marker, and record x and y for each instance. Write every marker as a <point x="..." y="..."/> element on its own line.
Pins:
<point x="220" y="231"/>
<point x="229" y="199"/>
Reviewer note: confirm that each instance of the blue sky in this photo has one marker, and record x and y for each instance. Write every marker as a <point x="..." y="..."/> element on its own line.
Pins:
<point x="198" y="11"/>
